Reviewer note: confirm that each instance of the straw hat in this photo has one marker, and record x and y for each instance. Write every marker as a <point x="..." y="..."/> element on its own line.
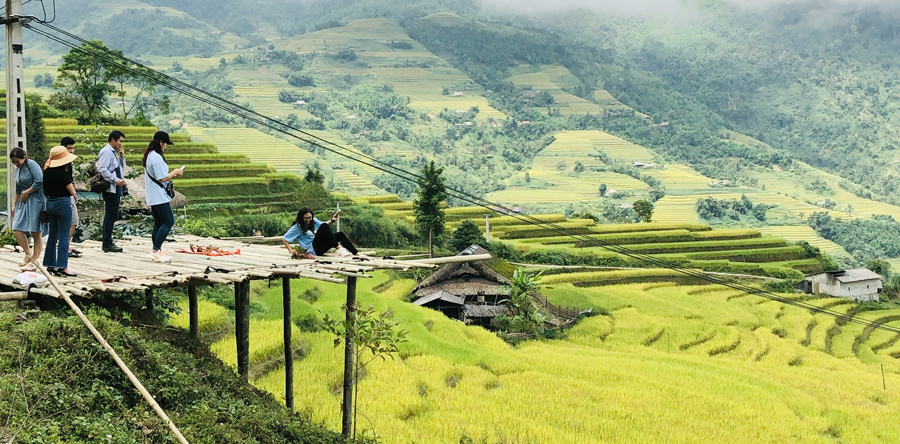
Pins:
<point x="59" y="156"/>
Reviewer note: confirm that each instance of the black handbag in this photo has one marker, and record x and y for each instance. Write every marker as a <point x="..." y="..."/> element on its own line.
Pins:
<point x="168" y="186"/>
<point x="97" y="184"/>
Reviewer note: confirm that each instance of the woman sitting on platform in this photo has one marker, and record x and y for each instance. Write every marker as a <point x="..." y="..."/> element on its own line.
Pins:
<point x="28" y="205"/>
<point x="315" y="237"/>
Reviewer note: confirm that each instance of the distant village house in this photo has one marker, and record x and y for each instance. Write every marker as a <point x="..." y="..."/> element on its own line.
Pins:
<point x="858" y="284"/>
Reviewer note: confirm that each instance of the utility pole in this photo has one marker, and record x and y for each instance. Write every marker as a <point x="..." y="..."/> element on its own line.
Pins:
<point x="15" y="98"/>
<point x="487" y="227"/>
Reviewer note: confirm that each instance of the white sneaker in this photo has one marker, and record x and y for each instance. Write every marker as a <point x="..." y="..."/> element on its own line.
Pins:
<point x="341" y="251"/>
<point x="159" y="256"/>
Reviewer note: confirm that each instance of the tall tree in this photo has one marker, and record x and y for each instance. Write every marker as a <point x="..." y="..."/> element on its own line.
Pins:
<point x="427" y="207"/>
<point x="86" y="74"/>
<point x="34" y="129"/>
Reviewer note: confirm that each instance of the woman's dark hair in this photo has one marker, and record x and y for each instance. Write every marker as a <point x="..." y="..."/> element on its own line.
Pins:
<point x="299" y="220"/>
<point x="17" y="153"/>
<point x="154" y="146"/>
<point x="66" y="141"/>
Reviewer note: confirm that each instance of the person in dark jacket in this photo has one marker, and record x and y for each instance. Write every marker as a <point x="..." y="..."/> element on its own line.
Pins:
<point x="59" y="189"/>
<point x="28" y="205"/>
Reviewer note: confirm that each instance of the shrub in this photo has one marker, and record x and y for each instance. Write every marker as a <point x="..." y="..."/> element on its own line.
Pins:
<point x="466" y="234"/>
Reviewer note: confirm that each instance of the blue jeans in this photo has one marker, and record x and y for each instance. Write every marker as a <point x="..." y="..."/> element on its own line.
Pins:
<point x="110" y="216"/>
<point x="163" y="219"/>
<point x="59" y="209"/>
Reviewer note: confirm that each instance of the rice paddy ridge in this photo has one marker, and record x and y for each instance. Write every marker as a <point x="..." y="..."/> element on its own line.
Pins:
<point x="280" y="154"/>
<point x="415" y="73"/>
<point x="553" y="79"/>
<point x="552" y="176"/>
<point x="735" y="363"/>
<point x="210" y="176"/>
<point x="740" y="250"/>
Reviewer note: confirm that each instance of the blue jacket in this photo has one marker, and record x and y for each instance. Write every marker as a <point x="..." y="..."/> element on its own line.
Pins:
<point x="107" y="162"/>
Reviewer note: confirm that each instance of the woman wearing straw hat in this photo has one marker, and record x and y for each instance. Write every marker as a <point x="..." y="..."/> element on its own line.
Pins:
<point x="28" y="205"/>
<point x="59" y="189"/>
<point x="156" y="173"/>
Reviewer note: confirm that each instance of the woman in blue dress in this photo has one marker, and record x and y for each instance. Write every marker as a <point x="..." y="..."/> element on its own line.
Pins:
<point x="28" y="205"/>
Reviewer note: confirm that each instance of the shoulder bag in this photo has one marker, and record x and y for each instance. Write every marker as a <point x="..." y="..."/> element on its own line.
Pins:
<point x="168" y="186"/>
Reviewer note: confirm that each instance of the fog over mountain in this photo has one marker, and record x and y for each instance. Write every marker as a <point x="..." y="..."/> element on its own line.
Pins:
<point x="657" y="7"/>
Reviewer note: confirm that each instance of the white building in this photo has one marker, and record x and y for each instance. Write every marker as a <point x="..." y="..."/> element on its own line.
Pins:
<point x="859" y="284"/>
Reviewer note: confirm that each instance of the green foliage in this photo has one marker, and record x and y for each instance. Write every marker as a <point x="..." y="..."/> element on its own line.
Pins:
<point x="58" y="385"/>
<point x="43" y="80"/>
<point x="34" y="129"/>
<point x="300" y="80"/>
<point x="865" y="239"/>
<point x="524" y="316"/>
<point x="427" y="206"/>
<point x="466" y="234"/>
<point x="87" y="76"/>
<point x="373" y="337"/>
<point x="644" y="210"/>
<point x="713" y="209"/>
<point x="368" y="226"/>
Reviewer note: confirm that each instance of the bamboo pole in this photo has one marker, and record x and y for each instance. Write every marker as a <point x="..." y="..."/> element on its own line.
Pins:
<point x="288" y="348"/>
<point x="449" y="259"/>
<point x="134" y="380"/>
<point x="13" y="296"/>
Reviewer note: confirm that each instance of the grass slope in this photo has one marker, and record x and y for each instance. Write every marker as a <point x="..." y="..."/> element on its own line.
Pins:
<point x="669" y="364"/>
<point x="58" y="385"/>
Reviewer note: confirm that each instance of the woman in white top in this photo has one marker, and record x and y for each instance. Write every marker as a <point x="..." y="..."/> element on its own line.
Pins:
<point x="155" y="167"/>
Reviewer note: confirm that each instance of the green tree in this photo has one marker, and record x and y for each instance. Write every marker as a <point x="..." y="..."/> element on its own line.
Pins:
<point x="880" y="266"/>
<point x="86" y="75"/>
<point x="603" y="189"/>
<point x="34" y="129"/>
<point x="142" y="83"/>
<point x="373" y="337"/>
<point x="427" y="206"/>
<point x="466" y="234"/>
<point x="524" y="316"/>
<point x="313" y="175"/>
<point x="644" y="210"/>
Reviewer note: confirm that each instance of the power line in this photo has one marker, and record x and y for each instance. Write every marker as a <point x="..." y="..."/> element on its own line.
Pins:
<point x="248" y="114"/>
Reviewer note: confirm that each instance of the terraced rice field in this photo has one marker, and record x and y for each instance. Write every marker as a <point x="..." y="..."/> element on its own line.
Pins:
<point x="669" y="364"/>
<point x="370" y="38"/>
<point x="793" y="184"/>
<point x="554" y="167"/>
<point x="260" y="88"/>
<point x="553" y="79"/>
<point x="797" y="233"/>
<point x="278" y="153"/>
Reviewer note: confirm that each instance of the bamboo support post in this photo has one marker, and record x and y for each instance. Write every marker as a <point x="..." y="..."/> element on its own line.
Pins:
<point x="349" y="357"/>
<point x="134" y="380"/>
<point x="192" y="312"/>
<point x="242" y="327"/>
<point x="288" y="347"/>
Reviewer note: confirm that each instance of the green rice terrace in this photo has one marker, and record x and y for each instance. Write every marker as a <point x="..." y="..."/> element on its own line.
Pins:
<point x="696" y="245"/>
<point x="766" y="371"/>
<point x="212" y="177"/>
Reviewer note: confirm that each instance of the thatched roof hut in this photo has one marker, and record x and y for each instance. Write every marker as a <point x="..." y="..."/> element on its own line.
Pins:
<point x="473" y="281"/>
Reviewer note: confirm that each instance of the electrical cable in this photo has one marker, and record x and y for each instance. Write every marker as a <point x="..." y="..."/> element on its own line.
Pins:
<point x="278" y="126"/>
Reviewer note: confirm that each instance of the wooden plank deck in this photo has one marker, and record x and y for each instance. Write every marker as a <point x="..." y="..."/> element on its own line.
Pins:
<point x="133" y="271"/>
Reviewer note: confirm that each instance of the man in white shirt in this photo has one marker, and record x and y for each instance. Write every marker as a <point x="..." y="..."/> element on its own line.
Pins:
<point x="111" y="166"/>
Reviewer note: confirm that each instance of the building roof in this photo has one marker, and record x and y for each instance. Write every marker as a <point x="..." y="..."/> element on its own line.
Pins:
<point x="464" y="278"/>
<point x="856" y="275"/>
<point x="484" y="311"/>
<point x="440" y="295"/>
